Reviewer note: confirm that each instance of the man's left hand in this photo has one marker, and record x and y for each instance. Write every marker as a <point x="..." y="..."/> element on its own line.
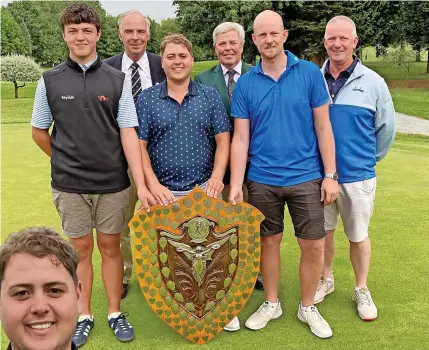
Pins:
<point x="214" y="187"/>
<point x="329" y="191"/>
<point x="146" y="198"/>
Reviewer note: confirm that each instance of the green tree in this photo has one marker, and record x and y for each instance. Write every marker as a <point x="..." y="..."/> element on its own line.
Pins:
<point x="415" y="16"/>
<point x="305" y="20"/>
<point x="13" y="40"/>
<point x="109" y="43"/>
<point x="166" y="27"/>
<point x="19" y="69"/>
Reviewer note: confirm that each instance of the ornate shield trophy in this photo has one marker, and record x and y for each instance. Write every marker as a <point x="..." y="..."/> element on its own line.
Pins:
<point x="197" y="261"/>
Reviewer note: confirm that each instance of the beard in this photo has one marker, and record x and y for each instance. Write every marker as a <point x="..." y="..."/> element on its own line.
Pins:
<point x="271" y="54"/>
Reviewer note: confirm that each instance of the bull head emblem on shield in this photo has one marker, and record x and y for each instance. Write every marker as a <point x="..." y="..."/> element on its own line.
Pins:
<point x="197" y="261"/>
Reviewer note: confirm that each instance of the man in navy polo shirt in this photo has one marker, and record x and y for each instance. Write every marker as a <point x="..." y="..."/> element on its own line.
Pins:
<point x="184" y="130"/>
<point x="281" y="120"/>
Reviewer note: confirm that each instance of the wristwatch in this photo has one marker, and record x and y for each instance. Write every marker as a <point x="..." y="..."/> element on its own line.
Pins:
<point x="333" y="176"/>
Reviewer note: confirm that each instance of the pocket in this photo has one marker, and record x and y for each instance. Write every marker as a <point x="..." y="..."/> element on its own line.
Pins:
<point x="368" y="186"/>
<point x="364" y="187"/>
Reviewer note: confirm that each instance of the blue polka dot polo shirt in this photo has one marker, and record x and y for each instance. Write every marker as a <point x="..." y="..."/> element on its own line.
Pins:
<point x="181" y="138"/>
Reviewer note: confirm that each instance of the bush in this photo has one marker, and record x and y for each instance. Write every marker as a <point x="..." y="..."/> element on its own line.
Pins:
<point x="19" y="69"/>
<point x="401" y="58"/>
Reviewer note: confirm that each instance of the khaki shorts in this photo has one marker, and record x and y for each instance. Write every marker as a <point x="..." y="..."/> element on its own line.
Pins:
<point x="355" y="204"/>
<point x="81" y="213"/>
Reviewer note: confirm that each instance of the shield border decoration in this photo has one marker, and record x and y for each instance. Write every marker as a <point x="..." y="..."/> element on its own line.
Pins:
<point x="164" y="298"/>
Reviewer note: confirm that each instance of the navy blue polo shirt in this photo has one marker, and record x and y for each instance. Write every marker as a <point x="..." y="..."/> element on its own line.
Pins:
<point x="283" y="148"/>
<point x="335" y="85"/>
<point x="181" y="138"/>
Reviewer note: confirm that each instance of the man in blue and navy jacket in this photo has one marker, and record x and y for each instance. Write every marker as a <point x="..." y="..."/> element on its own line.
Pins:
<point x="363" y="121"/>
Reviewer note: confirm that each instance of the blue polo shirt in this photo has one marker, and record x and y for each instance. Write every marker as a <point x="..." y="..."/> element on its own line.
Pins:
<point x="181" y="138"/>
<point x="283" y="148"/>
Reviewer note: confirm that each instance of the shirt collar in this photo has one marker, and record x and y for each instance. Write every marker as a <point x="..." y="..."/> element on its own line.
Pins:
<point x="349" y="70"/>
<point x="89" y="64"/>
<point x="237" y="68"/>
<point x="192" y="89"/>
<point x="128" y="61"/>
<point x="291" y="61"/>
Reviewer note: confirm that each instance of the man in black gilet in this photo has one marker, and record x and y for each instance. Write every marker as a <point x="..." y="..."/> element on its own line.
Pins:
<point x="93" y="142"/>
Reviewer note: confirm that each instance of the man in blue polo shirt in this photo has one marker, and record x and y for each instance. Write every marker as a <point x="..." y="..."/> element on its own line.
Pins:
<point x="282" y="122"/>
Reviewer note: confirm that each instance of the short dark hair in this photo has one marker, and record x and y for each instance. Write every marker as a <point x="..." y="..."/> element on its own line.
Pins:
<point x="80" y="13"/>
<point x="178" y="39"/>
<point x="40" y="242"/>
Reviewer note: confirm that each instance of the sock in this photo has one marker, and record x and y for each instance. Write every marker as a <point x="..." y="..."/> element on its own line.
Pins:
<point x="304" y="308"/>
<point x="85" y="317"/>
<point x="358" y="288"/>
<point x="270" y="304"/>
<point x="113" y="315"/>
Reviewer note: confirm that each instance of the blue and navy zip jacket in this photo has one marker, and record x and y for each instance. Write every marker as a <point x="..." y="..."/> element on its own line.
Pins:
<point x="363" y="121"/>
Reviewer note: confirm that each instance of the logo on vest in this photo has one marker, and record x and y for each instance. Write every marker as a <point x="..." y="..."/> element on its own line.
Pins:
<point x="103" y="98"/>
<point x="68" y="97"/>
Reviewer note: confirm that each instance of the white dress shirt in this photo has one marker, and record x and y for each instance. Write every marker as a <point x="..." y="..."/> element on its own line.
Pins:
<point x="144" y="70"/>
<point x="237" y="74"/>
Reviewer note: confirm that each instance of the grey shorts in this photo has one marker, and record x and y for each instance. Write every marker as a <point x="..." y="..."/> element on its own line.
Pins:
<point x="81" y="213"/>
<point x="303" y="201"/>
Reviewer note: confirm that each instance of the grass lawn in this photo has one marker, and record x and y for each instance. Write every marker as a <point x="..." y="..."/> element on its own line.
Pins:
<point x="411" y="101"/>
<point x="398" y="278"/>
<point x="417" y="71"/>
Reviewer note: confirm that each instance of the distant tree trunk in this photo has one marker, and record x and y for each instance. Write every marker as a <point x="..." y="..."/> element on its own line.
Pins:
<point x="359" y="54"/>
<point x="427" y="63"/>
<point x="17" y="87"/>
<point x="418" y="58"/>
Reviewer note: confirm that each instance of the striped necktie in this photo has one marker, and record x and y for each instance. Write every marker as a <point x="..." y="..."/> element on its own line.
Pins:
<point x="231" y="82"/>
<point x="135" y="81"/>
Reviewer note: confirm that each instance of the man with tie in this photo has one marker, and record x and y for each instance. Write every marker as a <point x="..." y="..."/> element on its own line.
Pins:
<point x="144" y="69"/>
<point x="228" y="42"/>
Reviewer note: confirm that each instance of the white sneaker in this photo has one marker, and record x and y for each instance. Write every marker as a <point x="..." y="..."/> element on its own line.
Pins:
<point x="365" y="306"/>
<point x="266" y="312"/>
<point x="325" y="287"/>
<point x="233" y="326"/>
<point x="317" y="323"/>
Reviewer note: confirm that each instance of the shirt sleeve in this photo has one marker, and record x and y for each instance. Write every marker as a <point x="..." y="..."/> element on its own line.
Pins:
<point x="127" y="116"/>
<point x="143" y="118"/>
<point x="239" y="107"/>
<point x="220" y="119"/>
<point x="385" y="124"/>
<point x="319" y="93"/>
<point x="42" y="116"/>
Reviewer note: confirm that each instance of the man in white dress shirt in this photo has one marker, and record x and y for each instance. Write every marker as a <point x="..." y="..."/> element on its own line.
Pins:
<point x="145" y="70"/>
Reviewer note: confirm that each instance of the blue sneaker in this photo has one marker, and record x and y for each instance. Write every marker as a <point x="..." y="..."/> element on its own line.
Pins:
<point x="122" y="328"/>
<point x="81" y="333"/>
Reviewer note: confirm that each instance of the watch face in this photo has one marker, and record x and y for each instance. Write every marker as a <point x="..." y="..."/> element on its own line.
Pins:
<point x="335" y="177"/>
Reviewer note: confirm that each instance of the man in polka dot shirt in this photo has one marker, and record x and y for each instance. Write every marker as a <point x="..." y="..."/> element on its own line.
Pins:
<point x="183" y="128"/>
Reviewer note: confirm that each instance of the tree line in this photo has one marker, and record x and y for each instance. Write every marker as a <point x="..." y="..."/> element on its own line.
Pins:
<point x="33" y="27"/>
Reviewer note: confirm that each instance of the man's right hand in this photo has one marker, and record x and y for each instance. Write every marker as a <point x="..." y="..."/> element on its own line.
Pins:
<point x="235" y="194"/>
<point x="162" y="194"/>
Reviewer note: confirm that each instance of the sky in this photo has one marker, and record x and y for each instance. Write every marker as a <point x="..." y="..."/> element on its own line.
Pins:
<point x="157" y="10"/>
